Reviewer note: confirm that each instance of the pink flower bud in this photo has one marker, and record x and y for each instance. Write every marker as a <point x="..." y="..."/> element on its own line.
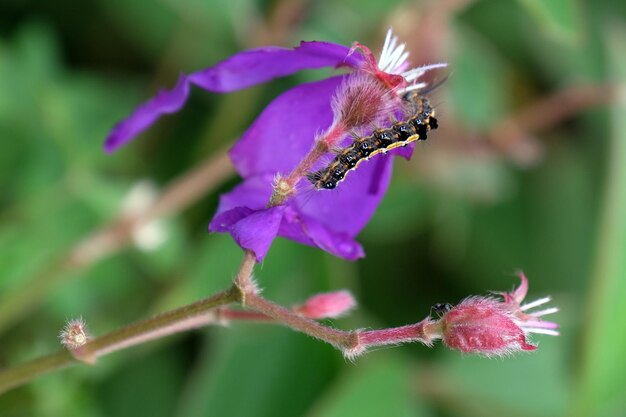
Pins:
<point x="327" y="305"/>
<point x="492" y="327"/>
<point x="483" y="325"/>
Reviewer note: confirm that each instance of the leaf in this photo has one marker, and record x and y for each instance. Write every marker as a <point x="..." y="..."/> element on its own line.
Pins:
<point x="561" y="19"/>
<point x="602" y="387"/>
<point x="374" y="386"/>
<point x="524" y="385"/>
<point x="477" y="87"/>
<point x="258" y="371"/>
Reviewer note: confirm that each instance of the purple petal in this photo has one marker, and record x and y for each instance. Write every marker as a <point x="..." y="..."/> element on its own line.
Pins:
<point x="309" y="231"/>
<point x="239" y="71"/>
<point x="285" y="131"/>
<point x="256" y="66"/>
<point x="406" y="151"/>
<point x="224" y="221"/>
<point x="257" y="231"/>
<point x="252" y="229"/>
<point x="253" y="192"/>
<point x="165" y="102"/>
<point x="348" y="208"/>
<point x="276" y="142"/>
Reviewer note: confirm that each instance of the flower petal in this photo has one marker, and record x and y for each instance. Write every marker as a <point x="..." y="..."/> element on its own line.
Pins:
<point x="339" y="244"/>
<point x="252" y="229"/>
<point x="348" y="208"/>
<point x="224" y="221"/>
<point x="239" y="71"/>
<point x="165" y="102"/>
<point x="285" y="131"/>
<point x="309" y="231"/>
<point x="256" y="66"/>
<point x="253" y="192"/>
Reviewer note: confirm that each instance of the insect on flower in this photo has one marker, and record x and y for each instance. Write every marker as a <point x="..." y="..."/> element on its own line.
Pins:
<point x="401" y="133"/>
<point x="286" y="132"/>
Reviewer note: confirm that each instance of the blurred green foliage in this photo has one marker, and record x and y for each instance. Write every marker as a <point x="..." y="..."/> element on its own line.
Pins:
<point x="456" y="221"/>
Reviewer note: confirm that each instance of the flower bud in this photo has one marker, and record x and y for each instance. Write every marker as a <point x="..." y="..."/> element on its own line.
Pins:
<point x="483" y="325"/>
<point x="492" y="327"/>
<point x="327" y="305"/>
<point x="74" y="334"/>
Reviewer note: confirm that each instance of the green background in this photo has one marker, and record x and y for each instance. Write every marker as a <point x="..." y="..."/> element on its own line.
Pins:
<point x="472" y="207"/>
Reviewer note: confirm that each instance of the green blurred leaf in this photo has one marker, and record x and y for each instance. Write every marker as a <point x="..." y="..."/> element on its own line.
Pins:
<point x="477" y="88"/>
<point x="258" y="371"/>
<point x="403" y="201"/>
<point x="561" y="19"/>
<point x="535" y="384"/>
<point x="146" y="387"/>
<point x="602" y="386"/>
<point x="376" y="385"/>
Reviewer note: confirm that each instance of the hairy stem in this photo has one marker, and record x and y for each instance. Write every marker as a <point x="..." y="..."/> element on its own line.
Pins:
<point x="286" y="187"/>
<point x="175" y="321"/>
<point x="340" y="339"/>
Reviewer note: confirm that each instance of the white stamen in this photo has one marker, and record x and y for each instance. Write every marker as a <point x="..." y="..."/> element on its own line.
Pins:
<point x="401" y="62"/>
<point x="393" y="58"/>
<point x="541" y="331"/>
<point x="413" y="77"/>
<point x="385" y="50"/>
<point x="414" y="87"/>
<point x="413" y="73"/>
<point x="419" y="71"/>
<point x="538" y="324"/>
<point x="535" y="303"/>
<point x="387" y="57"/>
<point x="545" y="312"/>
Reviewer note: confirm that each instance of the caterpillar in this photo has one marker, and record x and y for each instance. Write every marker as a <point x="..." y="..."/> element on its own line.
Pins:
<point x="401" y="133"/>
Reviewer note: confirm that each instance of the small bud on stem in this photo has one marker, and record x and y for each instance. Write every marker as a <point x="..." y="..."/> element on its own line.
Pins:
<point x="74" y="334"/>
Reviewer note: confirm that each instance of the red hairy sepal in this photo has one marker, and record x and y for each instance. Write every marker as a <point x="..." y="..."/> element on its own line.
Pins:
<point x="370" y="65"/>
<point x="484" y="326"/>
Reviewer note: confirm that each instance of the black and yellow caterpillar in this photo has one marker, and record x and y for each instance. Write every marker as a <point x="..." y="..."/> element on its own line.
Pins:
<point x="400" y="133"/>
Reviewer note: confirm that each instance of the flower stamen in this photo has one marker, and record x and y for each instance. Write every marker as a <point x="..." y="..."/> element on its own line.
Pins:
<point x="536" y="303"/>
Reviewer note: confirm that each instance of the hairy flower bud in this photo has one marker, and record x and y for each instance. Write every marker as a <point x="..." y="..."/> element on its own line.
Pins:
<point x="327" y="305"/>
<point x="74" y="334"/>
<point x="492" y="327"/>
<point x="483" y="325"/>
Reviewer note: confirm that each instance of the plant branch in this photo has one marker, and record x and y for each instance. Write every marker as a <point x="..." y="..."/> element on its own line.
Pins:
<point x="175" y="321"/>
<point x="340" y="339"/>
<point x="208" y="311"/>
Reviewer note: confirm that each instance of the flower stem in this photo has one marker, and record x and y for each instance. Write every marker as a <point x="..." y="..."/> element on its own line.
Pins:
<point x="175" y="321"/>
<point x="342" y="340"/>
<point x="206" y="311"/>
<point x="286" y="187"/>
<point x="419" y="332"/>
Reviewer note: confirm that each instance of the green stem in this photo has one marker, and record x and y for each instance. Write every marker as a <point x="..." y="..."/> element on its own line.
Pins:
<point x="175" y="321"/>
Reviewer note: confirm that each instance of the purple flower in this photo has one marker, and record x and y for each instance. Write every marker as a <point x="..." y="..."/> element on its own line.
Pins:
<point x="286" y="139"/>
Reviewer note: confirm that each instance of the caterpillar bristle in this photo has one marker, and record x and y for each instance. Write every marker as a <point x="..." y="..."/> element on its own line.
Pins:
<point x="314" y="176"/>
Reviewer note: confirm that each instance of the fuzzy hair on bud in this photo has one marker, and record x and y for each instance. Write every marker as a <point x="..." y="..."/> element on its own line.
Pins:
<point x="327" y="305"/>
<point x="74" y="334"/>
<point x="362" y="100"/>
<point x="483" y="325"/>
